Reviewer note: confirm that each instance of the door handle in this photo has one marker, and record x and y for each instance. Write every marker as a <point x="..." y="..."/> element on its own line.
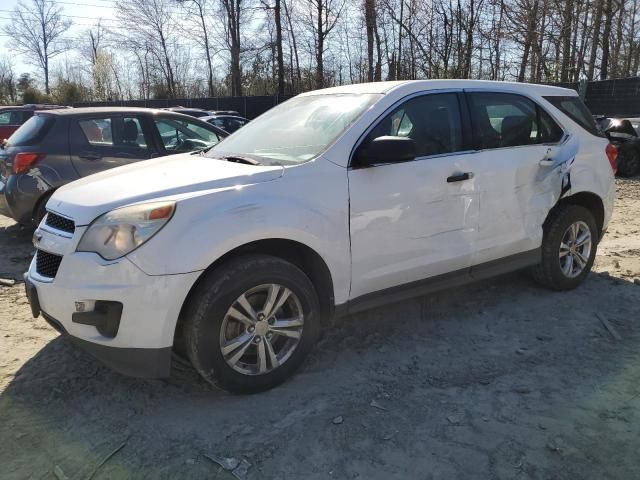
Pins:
<point x="459" y="177"/>
<point x="546" y="162"/>
<point x="90" y="156"/>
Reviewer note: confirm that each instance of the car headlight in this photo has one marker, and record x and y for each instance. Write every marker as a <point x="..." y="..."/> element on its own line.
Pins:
<point x="120" y="231"/>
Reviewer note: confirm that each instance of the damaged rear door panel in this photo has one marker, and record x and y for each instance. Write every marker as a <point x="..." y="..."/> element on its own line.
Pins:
<point x="522" y="169"/>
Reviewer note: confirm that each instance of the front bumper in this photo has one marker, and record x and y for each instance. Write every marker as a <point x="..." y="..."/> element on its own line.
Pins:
<point x="141" y="344"/>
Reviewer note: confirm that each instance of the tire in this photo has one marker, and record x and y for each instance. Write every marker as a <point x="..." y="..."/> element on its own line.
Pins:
<point x="209" y="325"/>
<point x="628" y="162"/>
<point x="41" y="209"/>
<point x="550" y="271"/>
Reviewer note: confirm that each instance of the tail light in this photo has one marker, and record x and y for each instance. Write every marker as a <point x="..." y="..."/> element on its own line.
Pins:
<point x="23" y="161"/>
<point x="612" y="155"/>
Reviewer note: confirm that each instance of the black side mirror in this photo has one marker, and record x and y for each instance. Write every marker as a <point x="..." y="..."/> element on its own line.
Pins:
<point x="386" y="149"/>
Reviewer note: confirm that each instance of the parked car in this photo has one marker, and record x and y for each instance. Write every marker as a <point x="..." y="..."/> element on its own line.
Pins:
<point x="192" y="112"/>
<point x="623" y="133"/>
<point x="333" y="202"/>
<point x="11" y="117"/>
<point x="229" y="123"/>
<point x="58" y="146"/>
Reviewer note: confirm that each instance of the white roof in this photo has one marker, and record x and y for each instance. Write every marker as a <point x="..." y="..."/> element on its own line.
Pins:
<point x="419" y="85"/>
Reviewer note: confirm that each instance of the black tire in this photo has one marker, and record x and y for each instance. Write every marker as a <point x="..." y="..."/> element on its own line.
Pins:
<point x="217" y="292"/>
<point x="41" y="209"/>
<point x="549" y="272"/>
<point x="628" y="161"/>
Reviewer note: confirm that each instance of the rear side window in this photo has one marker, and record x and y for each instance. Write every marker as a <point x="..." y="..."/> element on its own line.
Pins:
<point x="576" y="110"/>
<point x="503" y="120"/>
<point x="32" y="131"/>
<point x="114" y="132"/>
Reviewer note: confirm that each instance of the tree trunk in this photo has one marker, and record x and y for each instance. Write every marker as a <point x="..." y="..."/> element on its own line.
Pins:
<point x="370" y="19"/>
<point x="278" y="20"/>
<point x="320" y="47"/>
<point x="597" y="21"/>
<point x="565" y="38"/>
<point x="606" y="37"/>
<point x="531" y="25"/>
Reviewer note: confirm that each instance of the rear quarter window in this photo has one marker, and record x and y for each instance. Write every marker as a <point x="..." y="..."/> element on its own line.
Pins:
<point x="576" y="110"/>
<point x="32" y="131"/>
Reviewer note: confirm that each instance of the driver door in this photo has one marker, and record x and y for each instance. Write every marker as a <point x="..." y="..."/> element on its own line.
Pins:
<point x="417" y="219"/>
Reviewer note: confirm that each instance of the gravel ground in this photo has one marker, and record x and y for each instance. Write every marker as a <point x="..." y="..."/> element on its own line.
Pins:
<point x="497" y="380"/>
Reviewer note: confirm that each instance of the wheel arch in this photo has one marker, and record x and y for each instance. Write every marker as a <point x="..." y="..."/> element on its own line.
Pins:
<point x="591" y="202"/>
<point x="299" y="254"/>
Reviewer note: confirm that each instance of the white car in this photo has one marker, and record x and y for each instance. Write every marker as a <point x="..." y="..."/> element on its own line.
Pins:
<point x="333" y="202"/>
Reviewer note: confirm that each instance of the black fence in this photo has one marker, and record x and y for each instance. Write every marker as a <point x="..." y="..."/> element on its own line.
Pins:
<point x="611" y="98"/>
<point x="620" y="97"/>
<point x="248" y="107"/>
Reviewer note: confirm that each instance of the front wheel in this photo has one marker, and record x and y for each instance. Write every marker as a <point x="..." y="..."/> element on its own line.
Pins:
<point x="568" y="248"/>
<point x="251" y="323"/>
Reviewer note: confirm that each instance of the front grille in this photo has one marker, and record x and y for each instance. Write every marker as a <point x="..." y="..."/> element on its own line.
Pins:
<point x="60" y="223"/>
<point x="47" y="264"/>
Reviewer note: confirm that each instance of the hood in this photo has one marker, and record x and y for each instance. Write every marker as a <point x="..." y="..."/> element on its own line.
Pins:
<point x="173" y="176"/>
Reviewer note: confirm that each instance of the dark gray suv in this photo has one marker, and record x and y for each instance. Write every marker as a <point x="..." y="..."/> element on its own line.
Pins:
<point x="56" y="147"/>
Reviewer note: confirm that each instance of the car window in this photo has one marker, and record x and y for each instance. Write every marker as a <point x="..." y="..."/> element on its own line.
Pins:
<point x="433" y="121"/>
<point x="508" y="120"/>
<point x="233" y="124"/>
<point x="32" y="131"/>
<point x="5" y="118"/>
<point x="114" y="132"/>
<point x="184" y="136"/>
<point x="576" y="110"/>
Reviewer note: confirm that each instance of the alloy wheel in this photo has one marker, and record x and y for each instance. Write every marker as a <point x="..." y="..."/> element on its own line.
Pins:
<point x="261" y="329"/>
<point x="575" y="249"/>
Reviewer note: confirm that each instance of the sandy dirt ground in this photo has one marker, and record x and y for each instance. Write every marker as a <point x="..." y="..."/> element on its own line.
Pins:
<point x="497" y="380"/>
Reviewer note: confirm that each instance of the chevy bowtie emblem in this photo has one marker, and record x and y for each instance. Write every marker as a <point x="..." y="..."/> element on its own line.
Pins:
<point x="37" y="237"/>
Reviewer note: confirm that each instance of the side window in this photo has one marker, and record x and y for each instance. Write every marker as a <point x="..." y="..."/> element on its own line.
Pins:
<point x="433" y="121"/>
<point x="5" y="118"/>
<point x="114" y="132"/>
<point x="507" y="120"/>
<point x="184" y="136"/>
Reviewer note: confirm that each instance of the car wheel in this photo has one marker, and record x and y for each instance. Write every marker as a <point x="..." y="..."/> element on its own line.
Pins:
<point x="568" y="248"/>
<point x="250" y="323"/>
<point x="41" y="209"/>
<point x="628" y="162"/>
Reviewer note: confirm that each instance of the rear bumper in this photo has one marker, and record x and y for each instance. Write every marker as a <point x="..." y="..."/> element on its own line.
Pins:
<point x="133" y="362"/>
<point x="18" y="203"/>
<point x="4" y="208"/>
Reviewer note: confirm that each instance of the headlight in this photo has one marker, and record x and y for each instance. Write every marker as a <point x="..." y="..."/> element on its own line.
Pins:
<point x="120" y="231"/>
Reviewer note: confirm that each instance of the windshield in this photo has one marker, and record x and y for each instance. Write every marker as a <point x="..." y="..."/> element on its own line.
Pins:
<point x="297" y="130"/>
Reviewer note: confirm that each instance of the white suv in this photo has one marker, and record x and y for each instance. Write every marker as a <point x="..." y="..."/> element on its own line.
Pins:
<point x="333" y="202"/>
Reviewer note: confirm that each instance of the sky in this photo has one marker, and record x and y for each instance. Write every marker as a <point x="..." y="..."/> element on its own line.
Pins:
<point x="83" y="13"/>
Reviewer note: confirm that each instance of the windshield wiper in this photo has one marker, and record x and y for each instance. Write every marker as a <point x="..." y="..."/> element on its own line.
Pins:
<point x="240" y="159"/>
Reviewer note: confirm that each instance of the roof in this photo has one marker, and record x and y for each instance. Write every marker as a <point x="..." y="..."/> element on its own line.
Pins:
<point x="90" y="110"/>
<point x="31" y="106"/>
<point x="416" y="85"/>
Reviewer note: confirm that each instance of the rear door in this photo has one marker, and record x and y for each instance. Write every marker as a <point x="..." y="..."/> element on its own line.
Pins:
<point x="106" y="141"/>
<point x="520" y="165"/>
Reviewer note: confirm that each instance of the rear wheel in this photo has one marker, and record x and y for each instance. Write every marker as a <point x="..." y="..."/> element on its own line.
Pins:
<point x="568" y="248"/>
<point x="251" y="323"/>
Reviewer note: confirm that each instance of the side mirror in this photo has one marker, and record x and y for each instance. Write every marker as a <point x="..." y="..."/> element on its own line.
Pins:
<point x="387" y="149"/>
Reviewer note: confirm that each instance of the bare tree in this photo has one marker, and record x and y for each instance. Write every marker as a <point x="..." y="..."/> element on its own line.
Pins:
<point x="38" y="32"/>
<point x="199" y="10"/>
<point x="151" y="25"/>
